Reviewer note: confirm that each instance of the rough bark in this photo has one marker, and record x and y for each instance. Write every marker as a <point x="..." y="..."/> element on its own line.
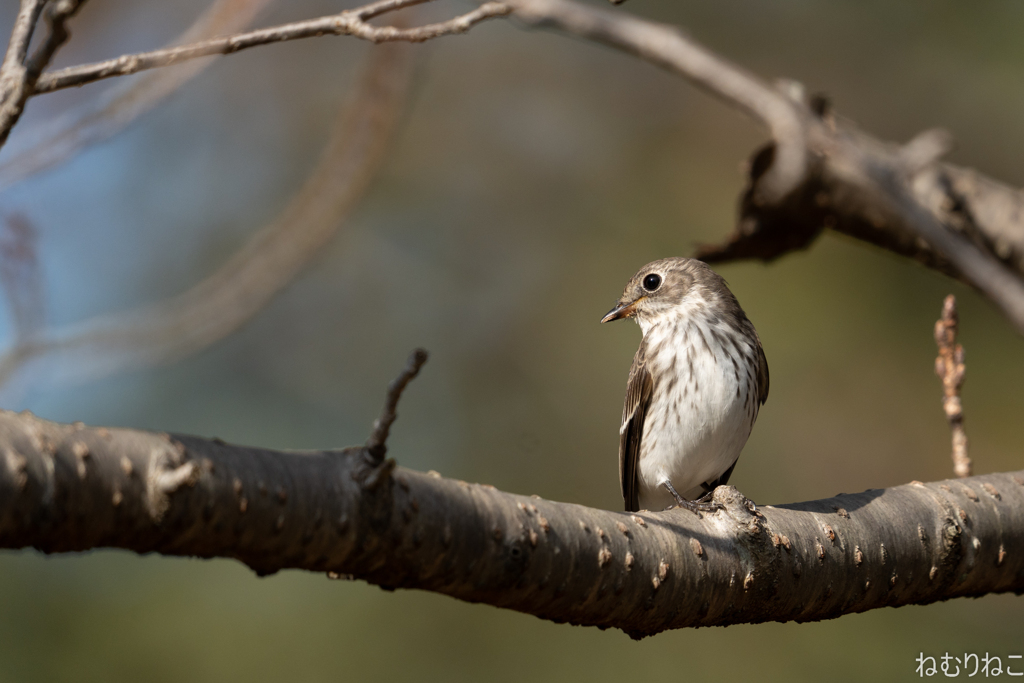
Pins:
<point x="820" y="172"/>
<point x="71" y="488"/>
<point x="868" y="190"/>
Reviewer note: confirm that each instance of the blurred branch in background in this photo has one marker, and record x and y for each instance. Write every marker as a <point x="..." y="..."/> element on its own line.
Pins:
<point x="667" y="47"/>
<point x="224" y="301"/>
<point x="58" y="141"/>
<point x="71" y="488"/>
<point x="883" y="193"/>
<point x="817" y="172"/>
<point x="949" y="366"/>
<point x="21" y="278"/>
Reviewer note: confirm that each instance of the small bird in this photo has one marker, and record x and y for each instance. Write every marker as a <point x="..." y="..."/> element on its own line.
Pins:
<point x="697" y="382"/>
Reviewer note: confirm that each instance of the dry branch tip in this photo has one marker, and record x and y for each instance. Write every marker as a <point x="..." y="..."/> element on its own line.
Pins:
<point x="949" y="366"/>
<point x="376" y="445"/>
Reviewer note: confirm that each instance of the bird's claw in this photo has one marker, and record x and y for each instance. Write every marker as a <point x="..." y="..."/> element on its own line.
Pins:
<point x="703" y="504"/>
<point x="696" y="506"/>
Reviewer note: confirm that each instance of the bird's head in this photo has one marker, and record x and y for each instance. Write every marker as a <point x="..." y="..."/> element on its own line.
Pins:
<point x="664" y="289"/>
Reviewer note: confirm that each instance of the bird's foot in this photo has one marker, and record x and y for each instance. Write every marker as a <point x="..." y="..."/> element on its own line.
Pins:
<point x="702" y="504"/>
<point x="707" y="497"/>
<point x="695" y="507"/>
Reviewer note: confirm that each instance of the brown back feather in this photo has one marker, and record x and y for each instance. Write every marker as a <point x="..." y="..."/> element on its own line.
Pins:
<point x="639" y="390"/>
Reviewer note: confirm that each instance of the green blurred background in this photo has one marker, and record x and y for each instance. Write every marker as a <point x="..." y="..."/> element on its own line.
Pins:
<point x="532" y="175"/>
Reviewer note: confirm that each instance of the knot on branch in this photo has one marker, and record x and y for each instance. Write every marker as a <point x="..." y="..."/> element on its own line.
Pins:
<point x="739" y="508"/>
<point x="926" y="148"/>
<point x="767" y="230"/>
<point x="168" y="471"/>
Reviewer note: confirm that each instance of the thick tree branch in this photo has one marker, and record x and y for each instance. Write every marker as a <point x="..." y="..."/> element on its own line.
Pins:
<point x="70" y="488"/>
<point x="348" y="23"/>
<point x="818" y="173"/>
<point x="946" y="217"/>
<point x="67" y="487"/>
<point x="870" y="182"/>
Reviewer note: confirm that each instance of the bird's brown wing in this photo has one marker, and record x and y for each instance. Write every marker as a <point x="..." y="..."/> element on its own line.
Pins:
<point x="638" y="399"/>
<point x="762" y="375"/>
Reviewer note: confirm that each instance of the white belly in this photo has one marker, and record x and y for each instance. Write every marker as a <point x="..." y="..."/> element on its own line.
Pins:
<point x="696" y="426"/>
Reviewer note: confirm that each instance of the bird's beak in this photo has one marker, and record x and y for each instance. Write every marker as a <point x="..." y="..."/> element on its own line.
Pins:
<point x="622" y="310"/>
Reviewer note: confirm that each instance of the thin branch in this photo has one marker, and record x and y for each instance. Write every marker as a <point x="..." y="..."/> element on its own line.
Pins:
<point x="251" y="277"/>
<point x="71" y="488"/>
<point x="851" y="172"/>
<point x="900" y="198"/>
<point x="21" y="36"/>
<point x="897" y="198"/>
<point x="883" y="186"/>
<point x="949" y="366"/>
<point x="56" y="15"/>
<point x="376" y="445"/>
<point x="376" y="9"/>
<point x="57" y="141"/>
<point x="348" y="23"/>
<point x="667" y="47"/>
<point x="19" y="71"/>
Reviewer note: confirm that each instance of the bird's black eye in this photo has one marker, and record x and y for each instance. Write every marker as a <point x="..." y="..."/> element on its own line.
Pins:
<point x="652" y="282"/>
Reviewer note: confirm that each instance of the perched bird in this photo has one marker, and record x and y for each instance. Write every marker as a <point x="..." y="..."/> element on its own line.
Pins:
<point x="697" y="382"/>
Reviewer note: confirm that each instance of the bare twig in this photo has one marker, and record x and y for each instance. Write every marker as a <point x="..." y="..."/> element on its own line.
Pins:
<point x="900" y="198"/>
<point x="851" y="172"/>
<point x="19" y="71"/>
<point x="348" y="23"/>
<point x="21" y="36"/>
<point x="667" y="47"/>
<point x="57" y="141"/>
<point x="873" y="179"/>
<point x="376" y="445"/>
<point x="949" y="366"/>
<point x="56" y="15"/>
<point x="246" y="283"/>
